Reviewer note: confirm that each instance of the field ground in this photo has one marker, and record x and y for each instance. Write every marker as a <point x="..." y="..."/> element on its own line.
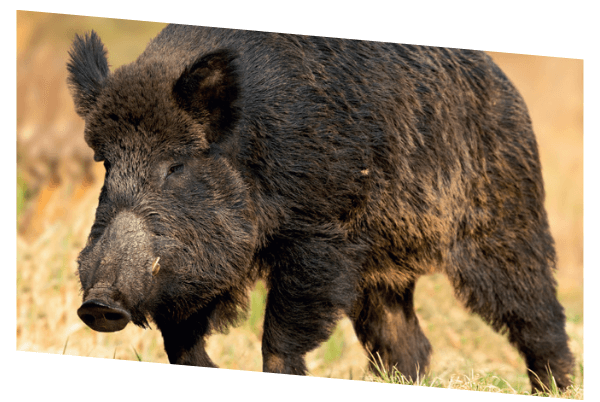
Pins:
<point x="58" y="187"/>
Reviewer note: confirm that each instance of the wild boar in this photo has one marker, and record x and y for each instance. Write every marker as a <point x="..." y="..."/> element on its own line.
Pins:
<point x="340" y="171"/>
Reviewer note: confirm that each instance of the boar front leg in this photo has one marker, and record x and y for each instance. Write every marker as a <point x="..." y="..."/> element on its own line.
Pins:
<point x="185" y="341"/>
<point x="311" y="283"/>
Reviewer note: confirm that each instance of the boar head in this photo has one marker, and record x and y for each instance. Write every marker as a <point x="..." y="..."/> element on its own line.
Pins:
<point x="173" y="231"/>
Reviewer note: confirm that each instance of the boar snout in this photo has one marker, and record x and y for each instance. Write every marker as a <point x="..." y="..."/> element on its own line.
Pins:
<point x="102" y="317"/>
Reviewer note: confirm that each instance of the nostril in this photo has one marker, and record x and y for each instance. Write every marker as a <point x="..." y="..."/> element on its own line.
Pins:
<point x="113" y="316"/>
<point x="88" y="318"/>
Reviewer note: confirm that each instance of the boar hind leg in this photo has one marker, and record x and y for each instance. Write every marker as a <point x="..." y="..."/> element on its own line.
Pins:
<point x="185" y="341"/>
<point x="310" y="286"/>
<point x="388" y="328"/>
<point x="518" y="296"/>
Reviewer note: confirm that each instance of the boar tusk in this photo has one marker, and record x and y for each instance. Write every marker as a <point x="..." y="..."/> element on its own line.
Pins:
<point x="155" y="266"/>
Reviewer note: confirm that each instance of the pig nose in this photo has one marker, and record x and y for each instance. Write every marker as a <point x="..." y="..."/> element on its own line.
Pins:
<point x="102" y="317"/>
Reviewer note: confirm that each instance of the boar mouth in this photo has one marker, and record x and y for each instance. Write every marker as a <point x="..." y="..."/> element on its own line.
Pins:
<point x="102" y="317"/>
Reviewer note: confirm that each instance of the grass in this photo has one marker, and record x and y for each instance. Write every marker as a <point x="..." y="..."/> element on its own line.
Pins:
<point x="57" y="192"/>
<point x="486" y="382"/>
<point x="22" y="194"/>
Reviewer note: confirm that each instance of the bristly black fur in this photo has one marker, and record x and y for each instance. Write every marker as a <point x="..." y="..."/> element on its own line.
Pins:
<point x="338" y="170"/>
<point x="88" y="68"/>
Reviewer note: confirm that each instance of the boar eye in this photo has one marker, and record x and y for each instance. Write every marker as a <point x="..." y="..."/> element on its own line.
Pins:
<point x="175" y="169"/>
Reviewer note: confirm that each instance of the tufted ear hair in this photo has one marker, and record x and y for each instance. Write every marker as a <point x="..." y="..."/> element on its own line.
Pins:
<point x="207" y="91"/>
<point x="88" y="70"/>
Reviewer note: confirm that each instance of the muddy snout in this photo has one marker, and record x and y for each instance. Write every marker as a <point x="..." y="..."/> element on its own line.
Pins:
<point x="102" y="316"/>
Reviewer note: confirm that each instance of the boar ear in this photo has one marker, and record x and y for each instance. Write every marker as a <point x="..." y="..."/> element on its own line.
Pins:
<point x="207" y="90"/>
<point x="88" y="69"/>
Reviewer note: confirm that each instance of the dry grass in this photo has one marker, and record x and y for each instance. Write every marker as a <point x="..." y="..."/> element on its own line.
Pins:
<point x="475" y="382"/>
<point x="57" y="192"/>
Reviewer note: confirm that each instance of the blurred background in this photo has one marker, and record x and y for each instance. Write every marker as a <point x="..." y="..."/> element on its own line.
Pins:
<point x="58" y="186"/>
